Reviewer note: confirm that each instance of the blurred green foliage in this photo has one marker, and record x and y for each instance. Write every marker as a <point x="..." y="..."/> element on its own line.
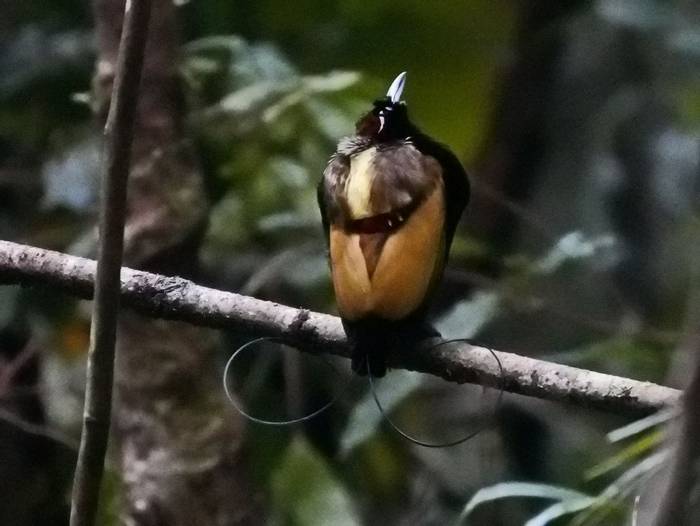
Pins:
<point x="304" y="490"/>
<point x="450" y="49"/>
<point x="269" y="88"/>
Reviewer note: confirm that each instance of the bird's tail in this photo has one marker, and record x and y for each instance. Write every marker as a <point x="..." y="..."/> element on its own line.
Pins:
<point x="373" y="340"/>
<point x="369" y="348"/>
<point x="368" y="359"/>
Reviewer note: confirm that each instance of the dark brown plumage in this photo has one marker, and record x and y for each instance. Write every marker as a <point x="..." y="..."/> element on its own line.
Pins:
<point x="390" y="200"/>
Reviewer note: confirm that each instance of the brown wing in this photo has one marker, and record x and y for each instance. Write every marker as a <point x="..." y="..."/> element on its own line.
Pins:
<point x="329" y="190"/>
<point x="386" y="238"/>
<point x="455" y="180"/>
<point x="375" y="181"/>
<point x="405" y="177"/>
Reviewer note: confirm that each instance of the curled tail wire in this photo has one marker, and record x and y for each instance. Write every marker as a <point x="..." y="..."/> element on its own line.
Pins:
<point x="433" y="445"/>
<point x="368" y="359"/>
<point x="237" y="406"/>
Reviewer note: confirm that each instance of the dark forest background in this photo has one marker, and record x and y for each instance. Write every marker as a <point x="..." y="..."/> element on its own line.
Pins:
<point x="578" y="122"/>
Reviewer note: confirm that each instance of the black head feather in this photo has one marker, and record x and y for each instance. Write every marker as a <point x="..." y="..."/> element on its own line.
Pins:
<point x="387" y="121"/>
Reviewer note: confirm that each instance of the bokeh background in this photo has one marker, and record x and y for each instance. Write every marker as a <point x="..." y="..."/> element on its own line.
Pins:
<point x="578" y="122"/>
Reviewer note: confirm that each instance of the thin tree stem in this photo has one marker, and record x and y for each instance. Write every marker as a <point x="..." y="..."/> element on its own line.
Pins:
<point x="118" y="135"/>
<point x="675" y="504"/>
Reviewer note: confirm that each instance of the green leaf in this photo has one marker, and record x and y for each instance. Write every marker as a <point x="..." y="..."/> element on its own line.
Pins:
<point x="307" y="493"/>
<point x="331" y="82"/>
<point x="247" y="63"/>
<point x="111" y="495"/>
<point x="230" y="43"/>
<point x="560" y="509"/>
<point x="574" y="246"/>
<point x="69" y="178"/>
<point x="248" y="102"/>
<point x="686" y="41"/>
<point x="626" y="484"/>
<point x="636" y="449"/>
<point x="466" y="318"/>
<point x="638" y="14"/>
<point x="331" y="120"/>
<point x="519" y="490"/>
<point x="638" y="426"/>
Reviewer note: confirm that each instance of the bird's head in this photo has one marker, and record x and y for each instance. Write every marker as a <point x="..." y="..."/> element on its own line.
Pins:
<point x="388" y="120"/>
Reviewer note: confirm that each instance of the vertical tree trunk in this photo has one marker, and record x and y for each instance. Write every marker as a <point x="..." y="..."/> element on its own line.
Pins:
<point x="179" y="445"/>
<point x="515" y="145"/>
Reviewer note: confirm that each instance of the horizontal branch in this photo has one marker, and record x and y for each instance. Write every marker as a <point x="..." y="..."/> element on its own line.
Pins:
<point x="180" y="299"/>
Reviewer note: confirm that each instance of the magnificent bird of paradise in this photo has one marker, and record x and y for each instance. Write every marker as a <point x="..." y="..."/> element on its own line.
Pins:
<point x="390" y="199"/>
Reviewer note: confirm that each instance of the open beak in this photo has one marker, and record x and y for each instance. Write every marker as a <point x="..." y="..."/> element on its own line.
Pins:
<point x="396" y="88"/>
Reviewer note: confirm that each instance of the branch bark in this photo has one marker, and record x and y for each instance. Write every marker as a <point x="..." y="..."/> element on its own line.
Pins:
<point x="180" y="299"/>
<point x="117" y="154"/>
